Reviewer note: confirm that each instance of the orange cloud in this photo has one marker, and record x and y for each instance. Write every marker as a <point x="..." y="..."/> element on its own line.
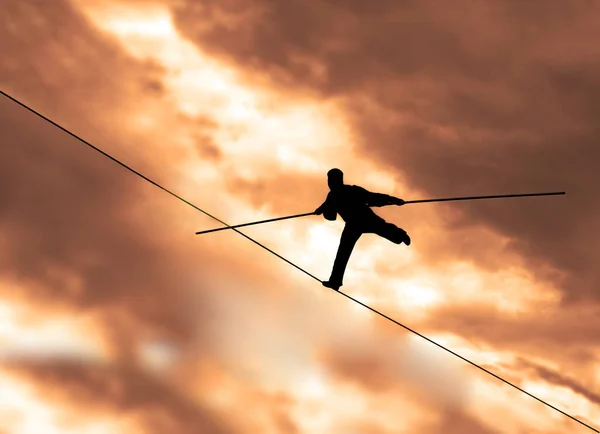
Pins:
<point x="205" y="326"/>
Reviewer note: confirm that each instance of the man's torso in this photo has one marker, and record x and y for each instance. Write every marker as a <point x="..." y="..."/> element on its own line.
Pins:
<point x="350" y="202"/>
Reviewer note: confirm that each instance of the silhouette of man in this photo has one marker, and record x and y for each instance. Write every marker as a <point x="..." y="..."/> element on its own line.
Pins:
<point x="353" y="204"/>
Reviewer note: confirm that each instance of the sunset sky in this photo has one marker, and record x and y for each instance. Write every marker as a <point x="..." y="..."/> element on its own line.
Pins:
<point x="115" y="318"/>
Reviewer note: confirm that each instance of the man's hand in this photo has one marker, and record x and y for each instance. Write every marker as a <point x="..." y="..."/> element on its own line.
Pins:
<point x="398" y="201"/>
<point x="318" y="211"/>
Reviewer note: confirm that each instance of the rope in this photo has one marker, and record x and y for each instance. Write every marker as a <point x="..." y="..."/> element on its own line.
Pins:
<point x="85" y="142"/>
<point x="281" y="257"/>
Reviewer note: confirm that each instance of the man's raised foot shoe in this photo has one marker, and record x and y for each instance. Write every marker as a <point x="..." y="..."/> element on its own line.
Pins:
<point x="406" y="239"/>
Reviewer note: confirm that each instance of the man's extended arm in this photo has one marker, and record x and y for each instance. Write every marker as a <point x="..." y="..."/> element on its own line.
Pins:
<point x="379" y="199"/>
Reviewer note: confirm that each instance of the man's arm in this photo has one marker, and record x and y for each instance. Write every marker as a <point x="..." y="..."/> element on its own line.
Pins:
<point x="380" y="199"/>
<point x="327" y="210"/>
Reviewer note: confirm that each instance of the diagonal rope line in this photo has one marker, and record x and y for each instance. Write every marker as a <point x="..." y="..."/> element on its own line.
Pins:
<point x="469" y="362"/>
<point x="294" y="265"/>
<point x="151" y="181"/>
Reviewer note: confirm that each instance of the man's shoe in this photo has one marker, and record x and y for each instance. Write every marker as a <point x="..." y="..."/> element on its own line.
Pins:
<point x="406" y="239"/>
<point x="332" y="285"/>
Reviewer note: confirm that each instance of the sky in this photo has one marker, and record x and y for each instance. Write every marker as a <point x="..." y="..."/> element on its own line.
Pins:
<point x="116" y="318"/>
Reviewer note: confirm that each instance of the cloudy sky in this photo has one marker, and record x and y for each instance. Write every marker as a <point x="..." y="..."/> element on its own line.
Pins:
<point x="116" y="318"/>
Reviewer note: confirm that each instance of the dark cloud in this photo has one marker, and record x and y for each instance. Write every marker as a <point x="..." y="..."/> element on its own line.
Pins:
<point x="203" y="128"/>
<point x="103" y="389"/>
<point x="543" y="334"/>
<point x="390" y="368"/>
<point x="455" y="422"/>
<point x="78" y="231"/>
<point x="53" y="58"/>
<point x="363" y="427"/>
<point x="478" y="98"/>
<point x="388" y="365"/>
<point x="368" y="369"/>
<point x="79" y="234"/>
<point x="68" y="238"/>
<point x="559" y="379"/>
<point x="327" y="34"/>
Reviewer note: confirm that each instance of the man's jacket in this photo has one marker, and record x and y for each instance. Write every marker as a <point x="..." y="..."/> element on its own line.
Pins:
<point x="353" y="204"/>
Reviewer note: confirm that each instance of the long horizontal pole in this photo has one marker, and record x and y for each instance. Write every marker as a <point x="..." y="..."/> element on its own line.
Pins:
<point x="408" y="202"/>
<point x="502" y="196"/>
<point x="256" y="223"/>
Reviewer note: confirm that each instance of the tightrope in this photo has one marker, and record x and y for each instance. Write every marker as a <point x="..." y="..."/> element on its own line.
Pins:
<point x="289" y="262"/>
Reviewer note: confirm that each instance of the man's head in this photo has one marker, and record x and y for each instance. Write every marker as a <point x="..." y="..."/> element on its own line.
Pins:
<point x="335" y="179"/>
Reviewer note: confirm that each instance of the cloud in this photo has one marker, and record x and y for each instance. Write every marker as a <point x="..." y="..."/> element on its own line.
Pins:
<point x="558" y="379"/>
<point x="487" y="98"/>
<point x="384" y="364"/>
<point x="82" y="235"/>
<point x="79" y="232"/>
<point x="455" y="422"/>
<point x="542" y="335"/>
<point x="119" y="391"/>
<point x="45" y="62"/>
<point x="68" y="234"/>
<point x="284" y="192"/>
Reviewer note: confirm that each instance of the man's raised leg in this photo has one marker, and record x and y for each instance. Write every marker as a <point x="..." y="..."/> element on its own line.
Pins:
<point x="390" y="232"/>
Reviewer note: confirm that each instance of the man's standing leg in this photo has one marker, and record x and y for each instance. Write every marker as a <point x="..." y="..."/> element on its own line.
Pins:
<point x="388" y="231"/>
<point x="350" y="236"/>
